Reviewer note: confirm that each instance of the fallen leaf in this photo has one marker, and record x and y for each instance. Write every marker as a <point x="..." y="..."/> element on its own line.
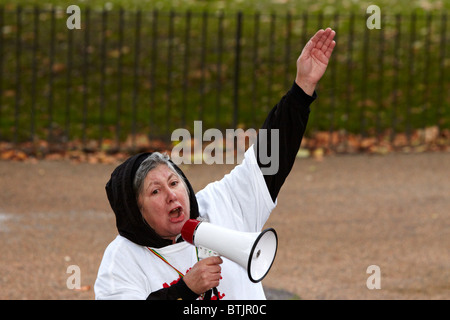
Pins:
<point x="83" y="289"/>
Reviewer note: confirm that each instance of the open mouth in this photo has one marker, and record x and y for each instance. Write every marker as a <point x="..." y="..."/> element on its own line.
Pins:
<point x="176" y="215"/>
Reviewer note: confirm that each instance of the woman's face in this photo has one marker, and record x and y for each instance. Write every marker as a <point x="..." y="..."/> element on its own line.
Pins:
<point x="164" y="202"/>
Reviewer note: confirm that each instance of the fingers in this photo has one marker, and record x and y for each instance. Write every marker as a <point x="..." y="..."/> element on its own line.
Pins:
<point x="323" y="41"/>
<point x="312" y="43"/>
<point x="213" y="265"/>
<point x="213" y="260"/>
<point x="330" y="48"/>
<point x="214" y="268"/>
<point x="318" y="36"/>
<point x="326" y="40"/>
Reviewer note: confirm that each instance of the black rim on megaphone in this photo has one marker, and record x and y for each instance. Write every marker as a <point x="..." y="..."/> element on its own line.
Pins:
<point x="253" y="249"/>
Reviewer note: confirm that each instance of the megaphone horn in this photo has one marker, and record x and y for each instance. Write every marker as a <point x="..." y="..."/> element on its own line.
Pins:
<point x="255" y="252"/>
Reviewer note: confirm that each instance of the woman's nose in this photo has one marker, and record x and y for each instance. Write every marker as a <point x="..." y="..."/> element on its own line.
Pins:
<point x="171" y="196"/>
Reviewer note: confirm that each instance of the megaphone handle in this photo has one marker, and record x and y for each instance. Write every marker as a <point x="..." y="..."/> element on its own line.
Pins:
<point x="209" y="292"/>
<point x="216" y="293"/>
<point x="205" y="253"/>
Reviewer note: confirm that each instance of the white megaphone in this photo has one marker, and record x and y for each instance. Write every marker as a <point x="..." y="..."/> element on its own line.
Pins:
<point x="255" y="252"/>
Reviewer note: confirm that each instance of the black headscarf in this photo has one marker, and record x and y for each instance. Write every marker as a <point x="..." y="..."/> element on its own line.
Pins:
<point x="121" y="196"/>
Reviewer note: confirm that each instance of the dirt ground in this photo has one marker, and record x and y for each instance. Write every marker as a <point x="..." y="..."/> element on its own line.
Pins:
<point x="334" y="219"/>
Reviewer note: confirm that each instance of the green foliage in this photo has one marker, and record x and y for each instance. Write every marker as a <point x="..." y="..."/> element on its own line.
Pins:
<point x="250" y="6"/>
<point x="85" y="83"/>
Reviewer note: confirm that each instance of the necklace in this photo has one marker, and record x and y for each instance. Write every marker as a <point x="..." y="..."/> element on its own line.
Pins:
<point x="157" y="254"/>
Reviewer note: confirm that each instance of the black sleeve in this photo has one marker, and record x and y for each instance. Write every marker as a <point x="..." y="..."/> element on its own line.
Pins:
<point x="176" y="291"/>
<point x="290" y="117"/>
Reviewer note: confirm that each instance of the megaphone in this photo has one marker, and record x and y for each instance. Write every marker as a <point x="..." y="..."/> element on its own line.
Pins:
<point x="255" y="252"/>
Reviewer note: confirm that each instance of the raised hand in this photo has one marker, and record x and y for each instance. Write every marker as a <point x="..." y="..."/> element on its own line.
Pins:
<point x="313" y="60"/>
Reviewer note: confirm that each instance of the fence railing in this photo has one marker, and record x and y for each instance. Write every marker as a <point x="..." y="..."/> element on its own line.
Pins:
<point x="125" y="74"/>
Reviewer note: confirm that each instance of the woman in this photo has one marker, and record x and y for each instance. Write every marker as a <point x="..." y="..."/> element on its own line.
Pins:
<point x="152" y="199"/>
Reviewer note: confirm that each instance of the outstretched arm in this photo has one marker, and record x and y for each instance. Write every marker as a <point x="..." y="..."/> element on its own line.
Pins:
<point x="290" y="115"/>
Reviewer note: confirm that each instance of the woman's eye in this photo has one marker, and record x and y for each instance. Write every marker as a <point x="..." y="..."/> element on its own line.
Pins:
<point x="155" y="191"/>
<point x="174" y="183"/>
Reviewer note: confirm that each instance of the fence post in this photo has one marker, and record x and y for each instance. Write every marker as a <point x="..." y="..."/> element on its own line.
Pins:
<point x="34" y="73"/>
<point x="119" y="77"/>
<point x="426" y="83"/>
<point x="412" y="39"/>
<point x="50" y="74"/>
<point x="103" y="75"/>
<point x="18" y="94"/>
<point x="271" y="60"/>
<point x="333" y="81"/>
<point x="287" y="51"/>
<point x="348" y="78"/>
<point x="380" y="81"/>
<point x="1" y="65"/>
<point x="169" y="73"/>
<point x="219" y="66"/>
<point x="85" y="76"/>
<point x="137" y="49"/>
<point x="203" y="63"/>
<point x="186" y="59"/>
<point x="395" y="76"/>
<point x="154" y="60"/>
<point x="363" y="114"/>
<point x="255" y="58"/>
<point x="441" y="71"/>
<point x="237" y="68"/>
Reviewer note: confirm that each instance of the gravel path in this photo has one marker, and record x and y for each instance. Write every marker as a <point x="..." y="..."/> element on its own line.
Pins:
<point x="334" y="219"/>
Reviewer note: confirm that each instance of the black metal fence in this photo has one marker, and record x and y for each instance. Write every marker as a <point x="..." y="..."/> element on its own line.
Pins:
<point x="125" y="74"/>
